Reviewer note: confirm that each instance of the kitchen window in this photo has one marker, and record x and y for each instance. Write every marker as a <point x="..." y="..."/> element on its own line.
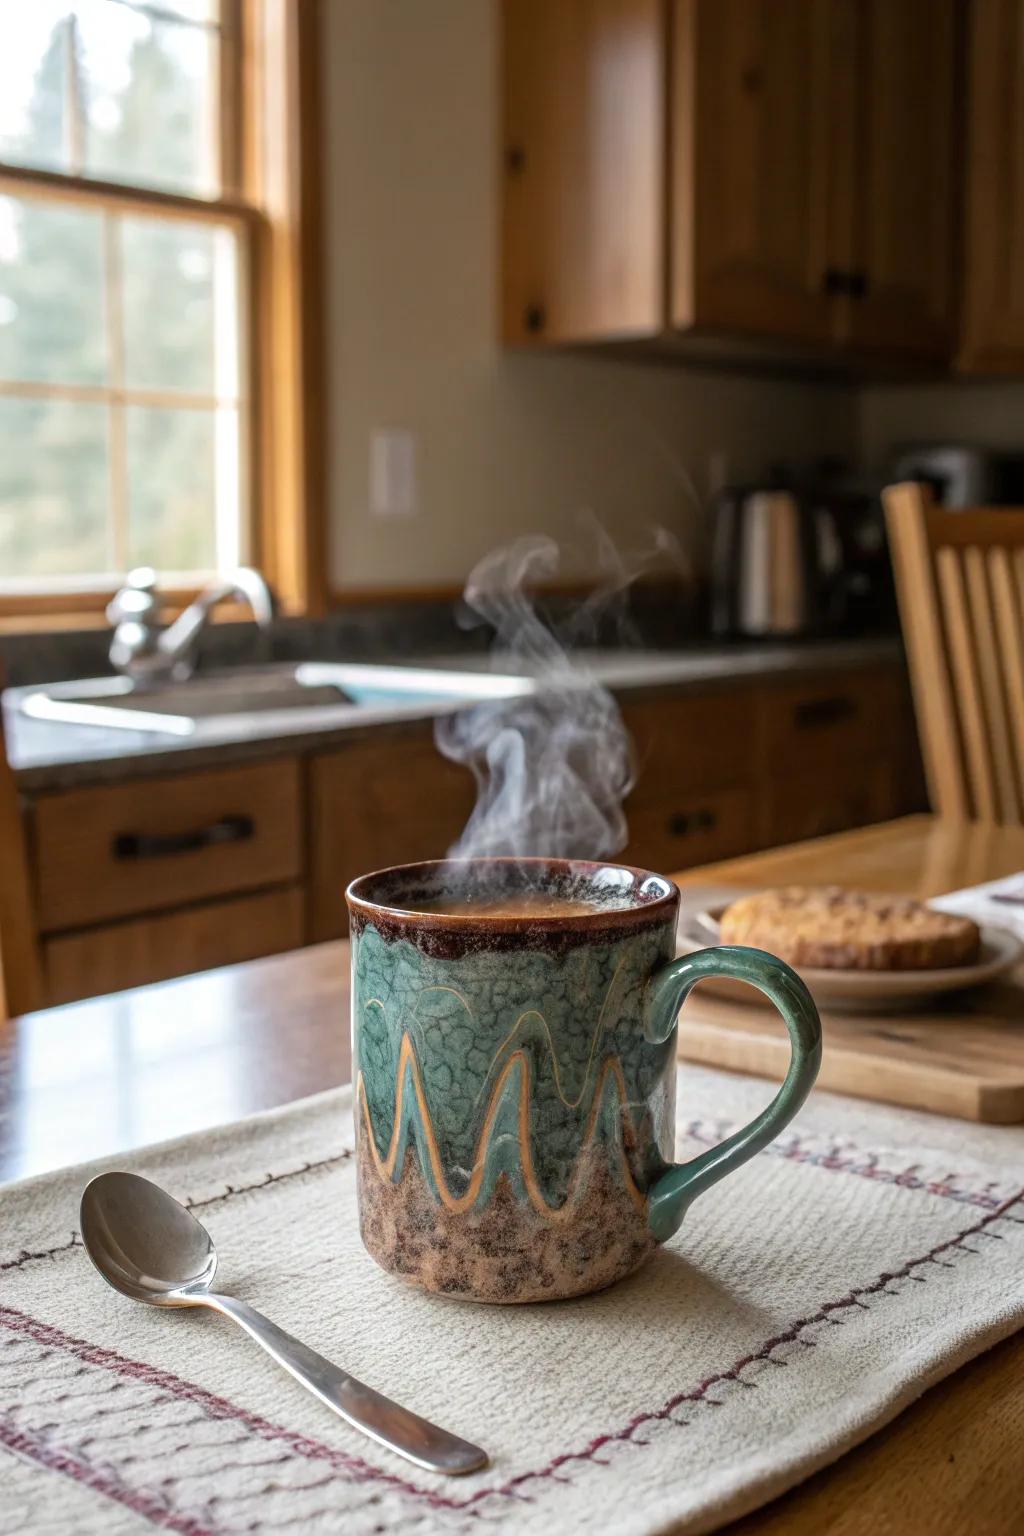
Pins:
<point x="154" y="350"/>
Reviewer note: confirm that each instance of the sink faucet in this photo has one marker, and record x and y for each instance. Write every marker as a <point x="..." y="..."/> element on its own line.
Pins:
<point x="146" y="651"/>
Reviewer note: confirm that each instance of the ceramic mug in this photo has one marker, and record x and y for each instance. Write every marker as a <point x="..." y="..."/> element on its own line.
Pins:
<point x="515" y="1074"/>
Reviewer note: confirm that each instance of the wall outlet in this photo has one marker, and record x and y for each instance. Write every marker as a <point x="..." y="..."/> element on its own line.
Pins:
<point x="394" y="491"/>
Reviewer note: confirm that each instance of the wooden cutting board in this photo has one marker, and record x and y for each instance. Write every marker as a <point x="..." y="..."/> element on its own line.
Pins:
<point x="963" y="1058"/>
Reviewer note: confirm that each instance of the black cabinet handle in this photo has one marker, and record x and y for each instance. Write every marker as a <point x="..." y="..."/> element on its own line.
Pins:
<point x="813" y="714"/>
<point x="535" y="318"/>
<point x="160" y="845"/>
<point x="682" y="823"/>
<point x="837" y="280"/>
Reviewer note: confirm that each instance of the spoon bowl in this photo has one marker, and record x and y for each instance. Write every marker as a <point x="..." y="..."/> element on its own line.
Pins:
<point x="149" y="1247"/>
<point x="144" y="1243"/>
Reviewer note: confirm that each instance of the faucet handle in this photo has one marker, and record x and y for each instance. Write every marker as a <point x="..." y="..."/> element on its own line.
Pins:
<point x="137" y="601"/>
<point x="134" y="613"/>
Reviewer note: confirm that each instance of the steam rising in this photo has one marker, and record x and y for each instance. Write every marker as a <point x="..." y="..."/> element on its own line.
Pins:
<point x="552" y="768"/>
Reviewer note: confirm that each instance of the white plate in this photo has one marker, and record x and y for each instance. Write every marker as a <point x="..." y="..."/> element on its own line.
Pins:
<point x="869" y="991"/>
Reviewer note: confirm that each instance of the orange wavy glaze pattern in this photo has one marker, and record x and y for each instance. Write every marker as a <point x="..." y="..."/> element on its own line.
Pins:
<point x="459" y="1203"/>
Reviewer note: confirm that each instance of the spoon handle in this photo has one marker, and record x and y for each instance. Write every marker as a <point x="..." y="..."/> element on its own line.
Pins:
<point x="377" y="1416"/>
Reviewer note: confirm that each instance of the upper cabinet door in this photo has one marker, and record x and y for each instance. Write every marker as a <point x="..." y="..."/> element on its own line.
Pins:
<point x="901" y="266"/>
<point x="993" y="296"/>
<point x="584" y="137"/>
<point x="749" y="141"/>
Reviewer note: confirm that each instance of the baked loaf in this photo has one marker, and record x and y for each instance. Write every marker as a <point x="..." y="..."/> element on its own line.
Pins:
<point x="827" y="928"/>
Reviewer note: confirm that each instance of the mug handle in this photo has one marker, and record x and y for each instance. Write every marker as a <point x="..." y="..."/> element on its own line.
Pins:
<point x="679" y="1186"/>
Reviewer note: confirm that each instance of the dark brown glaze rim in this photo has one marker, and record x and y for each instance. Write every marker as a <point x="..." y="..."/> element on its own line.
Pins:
<point x="446" y="936"/>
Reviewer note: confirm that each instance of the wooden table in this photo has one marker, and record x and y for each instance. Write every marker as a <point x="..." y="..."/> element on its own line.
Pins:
<point x="117" y="1072"/>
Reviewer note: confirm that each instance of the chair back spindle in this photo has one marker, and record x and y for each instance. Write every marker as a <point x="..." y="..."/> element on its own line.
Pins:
<point x="960" y="583"/>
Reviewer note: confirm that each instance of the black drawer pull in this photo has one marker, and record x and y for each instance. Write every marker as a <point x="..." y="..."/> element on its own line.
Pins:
<point x="815" y="713"/>
<point x="836" y="280"/>
<point x="160" y="845"/>
<point x="682" y="823"/>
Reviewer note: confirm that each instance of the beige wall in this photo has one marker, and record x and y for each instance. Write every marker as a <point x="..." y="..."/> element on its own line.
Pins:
<point x="507" y="444"/>
<point x="990" y="415"/>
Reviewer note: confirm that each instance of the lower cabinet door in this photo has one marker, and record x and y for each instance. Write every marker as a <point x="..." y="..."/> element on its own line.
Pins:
<point x="392" y="800"/>
<point x="677" y="833"/>
<point x="811" y="805"/>
<point x="130" y="954"/>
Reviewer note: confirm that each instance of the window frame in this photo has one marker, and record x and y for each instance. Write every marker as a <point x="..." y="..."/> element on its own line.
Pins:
<point x="268" y="127"/>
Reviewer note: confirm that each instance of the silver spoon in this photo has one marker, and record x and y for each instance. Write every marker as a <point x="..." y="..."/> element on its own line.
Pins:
<point x="150" y="1248"/>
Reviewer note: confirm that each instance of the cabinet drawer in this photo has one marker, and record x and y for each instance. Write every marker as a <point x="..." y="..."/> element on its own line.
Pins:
<point x="805" y="805"/>
<point x="120" y="955"/>
<point x="679" y="833"/>
<point x="128" y="848"/>
<point x="822" y="726"/>
<point x="694" y="743"/>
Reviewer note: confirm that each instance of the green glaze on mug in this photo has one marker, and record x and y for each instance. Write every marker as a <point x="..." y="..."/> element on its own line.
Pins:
<point x="515" y="1075"/>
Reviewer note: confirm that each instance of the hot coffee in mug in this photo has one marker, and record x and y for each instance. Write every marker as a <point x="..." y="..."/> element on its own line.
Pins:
<point x="514" y="1045"/>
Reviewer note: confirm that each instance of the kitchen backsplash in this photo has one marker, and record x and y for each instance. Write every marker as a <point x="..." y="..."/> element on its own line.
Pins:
<point x="656" y="614"/>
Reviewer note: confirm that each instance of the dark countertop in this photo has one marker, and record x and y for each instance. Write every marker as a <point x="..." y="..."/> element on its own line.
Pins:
<point x="54" y="755"/>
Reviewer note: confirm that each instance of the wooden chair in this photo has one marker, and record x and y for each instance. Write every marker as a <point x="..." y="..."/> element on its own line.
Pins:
<point x="21" y="982"/>
<point x="960" y="583"/>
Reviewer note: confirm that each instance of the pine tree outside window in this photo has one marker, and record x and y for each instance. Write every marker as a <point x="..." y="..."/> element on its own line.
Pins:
<point x="147" y="242"/>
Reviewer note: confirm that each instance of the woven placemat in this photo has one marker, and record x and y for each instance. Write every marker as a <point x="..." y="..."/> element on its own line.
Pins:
<point x="806" y="1300"/>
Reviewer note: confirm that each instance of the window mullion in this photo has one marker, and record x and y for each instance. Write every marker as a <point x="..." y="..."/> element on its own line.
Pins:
<point x="118" y="436"/>
<point x="225" y="138"/>
<point x="75" y="97"/>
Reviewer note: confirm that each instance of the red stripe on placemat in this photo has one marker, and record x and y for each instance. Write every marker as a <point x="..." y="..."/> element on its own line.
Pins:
<point x="358" y="1470"/>
<point x="229" y="1192"/>
<point x="856" y="1162"/>
<point x="699" y="1393"/>
<point x="57" y="1459"/>
<point x="354" y="1467"/>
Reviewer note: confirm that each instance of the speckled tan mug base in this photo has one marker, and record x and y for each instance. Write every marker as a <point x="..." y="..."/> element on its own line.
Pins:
<point x="504" y="1251"/>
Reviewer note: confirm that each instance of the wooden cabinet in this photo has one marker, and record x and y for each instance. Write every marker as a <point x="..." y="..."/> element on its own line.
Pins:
<point x="154" y="877"/>
<point x="807" y="804"/>
<point x="834" y="753"/>
<point x="124" y="873"/>
<point x="898" y="240"/>
<point x="689" y="742"/>
<point x="584" y="168"/>
<point x="117" y="850"/>
<point x="392" y="799"/>
<point x="808" y="196"/>
<point x="129" y="954"/>
<point x="748" y="768"/>
<point x="749" y="143"/>
<point x="828" y="725"/>
<point x="993" y="285"/>
<point x="813" y="186"/>
<point x="693" y="799"/>
<point x="691" y="827"/>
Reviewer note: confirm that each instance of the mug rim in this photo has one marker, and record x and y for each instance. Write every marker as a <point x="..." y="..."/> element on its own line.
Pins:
<point x="467" y="923"/>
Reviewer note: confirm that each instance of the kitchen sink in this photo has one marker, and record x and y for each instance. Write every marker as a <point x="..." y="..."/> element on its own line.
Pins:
<point x="308" y="692"/>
